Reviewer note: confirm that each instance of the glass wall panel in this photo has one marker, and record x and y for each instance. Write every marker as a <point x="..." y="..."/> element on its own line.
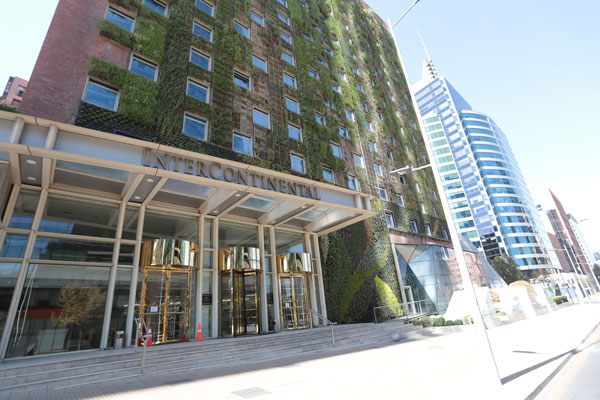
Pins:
<point x="170" y="226"/>
<point x="118" y="316"/>
<point x="207" y="261"/>
<point x="268" y="264"/>
<point x="267" y="235"/>
<point x="61" y="309"/>
<point x="14" y="246"/>
<point x="237" y="235"/>
<point x="130" y="223"/>
<point x="289" y="242"/>
<point x="8" y="279"/>
<point x="206" y="302"/>
<point x="71" y="250"/>
<point x="79" y="217"/>
<point x="126" y="253"/>
<point x="25" y="207"/>
<point x="208" y="242"/>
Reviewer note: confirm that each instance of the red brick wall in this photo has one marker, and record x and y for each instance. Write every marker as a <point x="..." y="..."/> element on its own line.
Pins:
<point x="58" y="79"/>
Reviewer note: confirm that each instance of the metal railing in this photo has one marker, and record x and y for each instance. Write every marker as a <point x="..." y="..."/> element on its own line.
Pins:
<point x="396" y="311"/>
<point x="140" y="328"/>
<point x="420" y="307"/>
<point x="328" y="322"/>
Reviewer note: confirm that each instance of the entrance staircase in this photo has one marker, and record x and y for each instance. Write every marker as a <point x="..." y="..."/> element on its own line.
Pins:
<point x="60" y="371"/>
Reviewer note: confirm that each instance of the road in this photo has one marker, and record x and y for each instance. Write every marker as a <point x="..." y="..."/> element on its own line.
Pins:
<point x="578" y="379"/>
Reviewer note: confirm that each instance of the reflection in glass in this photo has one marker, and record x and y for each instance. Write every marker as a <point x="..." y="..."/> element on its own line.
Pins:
<point x="289" y="242"/>
<point x="71" y="250"/>
<point x="208" y="228"/>
<point x="172" y="226"/>
<point x="235" y="235"/>
<point x="14" y="246"/>
<point x="8" y="280"/>
<point x="118" y="315"/>
<point x="61" y="309"/>
<point x="24" y="211"/>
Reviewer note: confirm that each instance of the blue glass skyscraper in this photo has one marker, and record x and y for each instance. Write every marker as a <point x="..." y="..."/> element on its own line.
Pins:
<point x="490" y="201"/>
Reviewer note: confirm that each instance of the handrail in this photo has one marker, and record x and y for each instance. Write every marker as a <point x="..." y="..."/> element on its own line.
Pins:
<point x="139" y="333"/>
<point x="328" y="322"/>
<point x="401" y="306"/>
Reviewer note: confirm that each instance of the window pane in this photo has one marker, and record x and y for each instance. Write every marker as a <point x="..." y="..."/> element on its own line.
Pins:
<point x="292" y="105"/>
<point x="242" y="30"/>
<point x="170" y="226"/>
<point x="288" y="242"/>
<point x="207" y="8"/>
<point x="144" y="69"/>
<point x="100" y="96"/>
<point x="200" y="60"/>
<point x="242" y="144"/>
<point x="352" y="183"/>
<point x="260" y="118"/>
<point x="241" y="80"/>
<point x="119" y="19"/>
<point x="287" y="57"/>
<point x="14" y="246"/>
<point x="24" y="211"/>
<point x="8" y="280"/>
<point x="156" y="6"/>
<point x="236" y="235"/>
<point x="328" y="175"/>
<point x="197" y="91"/>
<point x="257" y="18"/>
<point x="259" y="63"/>
<point x="294" y="133"/>
<point x="194" y="127"/>
<point x="71" y="250"/>
<point x="203" y="32"/>
<point x="62" y="310"/>
<point x="288" y="80"/>
<point x="297" y="163"/>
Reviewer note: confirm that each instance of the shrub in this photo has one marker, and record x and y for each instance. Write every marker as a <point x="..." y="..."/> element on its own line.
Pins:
<point x="426" y="322"/>
<point x="458" y="322"/>
<point x="439" y="321"/>
<point x="559" y="299"/>
<point x="449" y="323"/>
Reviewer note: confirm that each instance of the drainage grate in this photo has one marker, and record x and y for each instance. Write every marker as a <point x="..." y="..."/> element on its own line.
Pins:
<point x="251" y="392"/>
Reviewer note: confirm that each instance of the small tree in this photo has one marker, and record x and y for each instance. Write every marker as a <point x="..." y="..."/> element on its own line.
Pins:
<point x="507" y="268"/>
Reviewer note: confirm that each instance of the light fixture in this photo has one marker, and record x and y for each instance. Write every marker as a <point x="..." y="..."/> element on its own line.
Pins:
<point x="32" y="162"/>
<point x="150" y="180"/>
<point x="237" y="195"/>
<point x="31" y="178"/>
<point x="136" y="197"/>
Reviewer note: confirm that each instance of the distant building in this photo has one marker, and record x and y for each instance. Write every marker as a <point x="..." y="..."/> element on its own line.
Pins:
<point x="597" y="256"/>
<point x="14" y="92"/>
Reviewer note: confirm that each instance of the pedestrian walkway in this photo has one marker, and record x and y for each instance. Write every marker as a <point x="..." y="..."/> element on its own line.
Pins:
<point x="448" y="366"/>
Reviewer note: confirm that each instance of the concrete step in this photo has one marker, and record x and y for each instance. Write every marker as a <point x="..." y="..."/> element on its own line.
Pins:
<point x="99" y="367"/>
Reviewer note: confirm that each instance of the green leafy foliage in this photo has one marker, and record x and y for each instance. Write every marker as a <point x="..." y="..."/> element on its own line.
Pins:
<point x="507" y="268"/>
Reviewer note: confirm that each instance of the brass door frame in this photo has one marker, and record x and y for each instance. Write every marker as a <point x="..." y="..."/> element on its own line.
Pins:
<point x="291" y="276"/>
<point x="237" y="278"/>
<point x="168" y="271"/>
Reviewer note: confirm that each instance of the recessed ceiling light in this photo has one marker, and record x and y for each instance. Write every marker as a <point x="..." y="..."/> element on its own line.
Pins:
<point x="150" y="180"/>
<point x="237" y="195"/>
<point x="32" y="162"/>
<point x="137" y="197"/>
<point x="216" y="211"/>
<point x="31" y="178"/>
<point x="304" y="206"/>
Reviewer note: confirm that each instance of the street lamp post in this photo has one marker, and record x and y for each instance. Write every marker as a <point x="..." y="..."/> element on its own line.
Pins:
<point x="460" y="256"/>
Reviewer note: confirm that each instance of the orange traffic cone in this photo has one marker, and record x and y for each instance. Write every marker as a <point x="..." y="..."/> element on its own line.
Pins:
<point x="199" y="333"/>
<point x="149" y="342"/>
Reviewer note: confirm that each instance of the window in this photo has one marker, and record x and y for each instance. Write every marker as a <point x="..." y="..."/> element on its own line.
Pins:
<point x="287" y="57"/>
<point x="400" y="200"/>
<point x="312" y="73"/>
<point x="401" y="179"/>
<point x="309" y="37"/>
<point x="257" y="18"/>
<point x="259" y="63"/>
<point x="202" y="31"/>
<point x="413" y="226"/>
<point x="342" y="76"/>
<point x="364" y="106"/>
<point x="200" y="60"/>
<point x="445" y="234"/>
<point x="143" y="68"/>
<point x="382" y="194"/>
<point x="359" y="88"/>
<point x="292" y="105"/>
<point x="329" y="104"/>
<point x="289" y="80"/>
<point x="422" y="207"/>
<point x="101" y="96"/>
<point x="294" y="132"/>
<point x="155" y="5"/>
<point x="322" y="62"/>
<point x="343" y="132"/>
<point x="120" y="19"/>
<point x="417" y="187"/>
<point x="297" y="163"/>
<point x="353" y="183"/>
<point x="428" y="229"/>
<point x="372" y="146"/>
<point x="336" y="88"/>
<point x="195" y="127"/>
<point x="317" y="28"/>
<point x="377" y="169"/>
<point x="261" y="118"/>
<point x="319" y="118"/>
<point x="328" y="50"/>
<point x="241" y="80"/>
<point x="206" y="7"/>
<point x="283" y="18"/>
<point x="358" y="161"/>
<point x="242" y="143"/>
<point x="242" y="30"/>
<point x="389" y="155"/>
<point x="355" y="71"/>
<point x="283" y="3"/>
<point x="389" y="219"/>
<point x="368" y="126"/>
<point x="434" y="194"/>
<point x="434" y="212"/>
<point x="328" y="175"/>
<point x="349" y="115"/>
<point x="383" y="103"/>
<point x="380" y="116"/>
<point x="337" y="151"/>
<point x="197" y="91"/>
<point x="286" y="37"/>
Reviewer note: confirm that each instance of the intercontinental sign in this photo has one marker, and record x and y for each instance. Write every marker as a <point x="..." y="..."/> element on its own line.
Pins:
<point x="226" y="173"/>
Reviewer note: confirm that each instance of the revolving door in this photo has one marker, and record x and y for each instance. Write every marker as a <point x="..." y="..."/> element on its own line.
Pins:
<point x="294" y="271"/>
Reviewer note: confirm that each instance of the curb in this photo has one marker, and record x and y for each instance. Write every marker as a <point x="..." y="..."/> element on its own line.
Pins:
<point x="549" y="378"/>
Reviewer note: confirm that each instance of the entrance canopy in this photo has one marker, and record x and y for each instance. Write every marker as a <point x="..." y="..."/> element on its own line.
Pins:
<point x="53" y="155"/>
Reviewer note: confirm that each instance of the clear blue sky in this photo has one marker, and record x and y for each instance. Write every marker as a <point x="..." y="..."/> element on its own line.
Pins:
<point x="531" y="65"/>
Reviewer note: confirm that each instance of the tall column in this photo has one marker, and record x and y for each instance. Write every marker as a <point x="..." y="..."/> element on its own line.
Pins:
<point x="399" y="276"/>
<point x="134" y="275"/>
<point x="311" y="284"/>
<point x="320" y="271"/>
<point x="199" y="271"/>
<point x="214" y="315"/>
<point x="264" y="315"/>
<point x="275" y="280"/>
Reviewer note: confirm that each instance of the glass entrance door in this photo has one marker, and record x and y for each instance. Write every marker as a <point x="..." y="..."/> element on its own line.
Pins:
<point x="166" y="304"/>
<point x="294" y="301"/>
<point x="239" y="303"/>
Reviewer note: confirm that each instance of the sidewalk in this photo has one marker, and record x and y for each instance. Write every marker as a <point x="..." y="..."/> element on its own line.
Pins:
<point x="449" y="366"/>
